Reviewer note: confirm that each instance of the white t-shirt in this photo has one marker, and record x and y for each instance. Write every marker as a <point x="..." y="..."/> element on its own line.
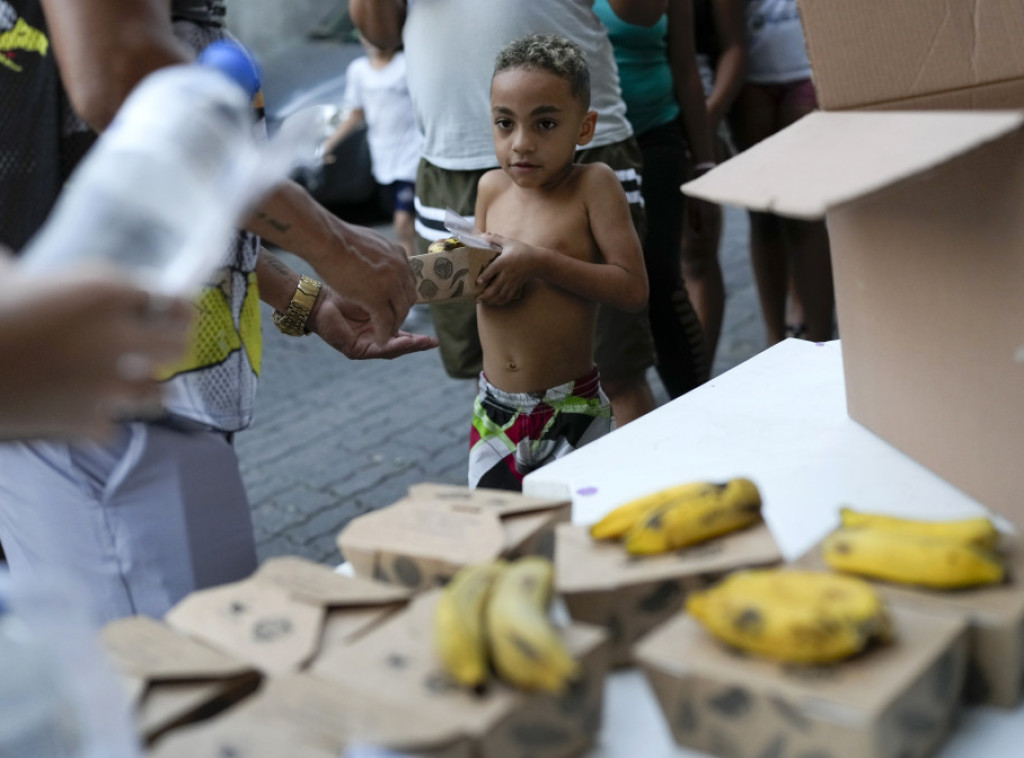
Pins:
<point x="776" y="49"/>
<point x="451" y="46"/>
<point x="383" y="95"/>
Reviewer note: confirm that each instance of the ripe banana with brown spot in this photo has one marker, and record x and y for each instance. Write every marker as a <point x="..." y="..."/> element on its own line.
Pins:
<point x="619" y="521"/>
<point x="459" y="634"/>
<point x="790" y="615"/>
<point x="526" y="649"/>
<point x="910" y="559"/>
<point x="715" y="511"/>
<point x="978" y="531"/>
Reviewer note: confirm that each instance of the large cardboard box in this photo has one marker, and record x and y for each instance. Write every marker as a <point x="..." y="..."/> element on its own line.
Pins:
<point x="895" y="699"/>
<point x="603" y="585"/>
<point x="420" y="541"/>
<point x="995" y="618"/>
<point x="171" y="678"/>
<point x="924" y="215"/>
<point x="450" y="276"/>
<point x="286" y="614"/>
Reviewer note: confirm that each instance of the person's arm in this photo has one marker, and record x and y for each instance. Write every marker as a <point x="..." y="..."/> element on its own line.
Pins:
<point x="82" y="355"/>
<point x="104" y="47"/>
<point x="339" y="323"/>
<point x="686" y="80"/>
<point x="355" y="117"/>
<point x="639" y="12"/>
<point x="619" y="280"/>
<point x="380" y="21"/>
<point x="731" y="30"/>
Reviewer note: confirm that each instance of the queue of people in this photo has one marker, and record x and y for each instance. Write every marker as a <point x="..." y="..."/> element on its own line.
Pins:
<point x="565" y="138"/>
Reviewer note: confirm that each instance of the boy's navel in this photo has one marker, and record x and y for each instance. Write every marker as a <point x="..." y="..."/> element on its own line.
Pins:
<point x="511" y="365"/>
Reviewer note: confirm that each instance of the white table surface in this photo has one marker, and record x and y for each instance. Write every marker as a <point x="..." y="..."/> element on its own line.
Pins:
<point x="779" y="419"/>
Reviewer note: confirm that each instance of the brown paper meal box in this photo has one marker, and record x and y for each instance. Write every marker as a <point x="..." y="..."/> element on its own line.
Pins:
<point x="601" y="584"/>
<point x="396" y="667"/>
<point x="171" y="678"/>
<point x="302" y="716"/>
<point x="915" y="164"/>
<point x="285" y="614"/>
<point x="449" y="277"/>
<point x="423" y="539"/>
<point x="995" y="620"/>
<point x="895" y="699"/>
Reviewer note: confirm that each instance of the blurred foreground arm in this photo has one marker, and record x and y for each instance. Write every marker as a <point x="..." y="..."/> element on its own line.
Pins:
<point x="80" y="351"/>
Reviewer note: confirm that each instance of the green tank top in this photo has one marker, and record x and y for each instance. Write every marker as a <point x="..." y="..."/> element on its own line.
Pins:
<point x="641" y="53"/>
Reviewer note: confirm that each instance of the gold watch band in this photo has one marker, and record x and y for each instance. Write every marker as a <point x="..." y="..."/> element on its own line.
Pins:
<point x="295" y="321"/>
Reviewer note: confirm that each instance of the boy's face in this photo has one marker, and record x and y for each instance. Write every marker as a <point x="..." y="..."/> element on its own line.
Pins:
<point x="537" y="124"/>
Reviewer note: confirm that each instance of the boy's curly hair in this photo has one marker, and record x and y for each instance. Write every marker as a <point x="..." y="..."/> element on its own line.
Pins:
<point x="552" y="53"/>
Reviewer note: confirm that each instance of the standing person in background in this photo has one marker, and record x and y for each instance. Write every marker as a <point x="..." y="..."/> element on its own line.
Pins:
<point x="777" y="92"/>
<point x="665" y="104"/>
<point x="158" y="508"/>
<point x="377" y="94"/>
<point x="720" y="32"/>
<point x="450" y="87"/>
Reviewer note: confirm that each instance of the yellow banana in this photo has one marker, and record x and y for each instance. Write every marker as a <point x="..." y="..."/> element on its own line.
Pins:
<point x="791" y="615"/>
<point x="618" y="521"/>
<point x="525" y="647"/>
<point x="717" y="510"/>
<point x="459" y="636"/>
<point x="910" y="559"/>
<point x="979" y="531"/>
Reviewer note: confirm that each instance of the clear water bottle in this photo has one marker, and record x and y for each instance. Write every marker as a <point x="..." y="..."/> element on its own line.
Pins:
<point x="163" y="187"/>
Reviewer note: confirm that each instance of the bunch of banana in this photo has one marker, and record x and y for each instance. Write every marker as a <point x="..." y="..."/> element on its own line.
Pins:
<point x="444" y="245"/>
<point x="794" y="616"/>
<point x="683" y="515"/>
<point x="906" y="557"/>
<point x="497" y="613"/>
<point x="978" y="531"/>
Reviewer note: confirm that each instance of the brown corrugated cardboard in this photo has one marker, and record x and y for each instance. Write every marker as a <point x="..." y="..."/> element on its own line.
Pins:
<point x="629" y="596"/>
<point x="923" y="212"/>
<point x="396" y="667"/>
<point x="994" y="615"/>
<point x="871" y="51"/>
<point x="286" y="614"/>
<point x="423" y="539"/>
<point x="450" y="276"/>
<point x="173" y="679"/>
<point x="894" y="699"/>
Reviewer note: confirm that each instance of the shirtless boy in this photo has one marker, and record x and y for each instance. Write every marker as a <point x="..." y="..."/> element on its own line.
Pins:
<point x="567" y="244"/>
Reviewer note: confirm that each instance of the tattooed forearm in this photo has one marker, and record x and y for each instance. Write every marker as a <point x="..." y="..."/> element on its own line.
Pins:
<point x="277" y="224"/>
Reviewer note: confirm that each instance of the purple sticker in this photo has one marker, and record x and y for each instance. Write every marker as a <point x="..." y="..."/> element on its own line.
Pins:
<point x="587" y="491"/>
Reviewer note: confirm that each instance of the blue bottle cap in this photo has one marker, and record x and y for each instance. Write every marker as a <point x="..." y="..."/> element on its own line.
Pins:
<point x="235" y="61"/>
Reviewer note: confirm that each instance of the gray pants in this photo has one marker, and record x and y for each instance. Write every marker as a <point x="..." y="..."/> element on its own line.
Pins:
<point x="141" y="520"/>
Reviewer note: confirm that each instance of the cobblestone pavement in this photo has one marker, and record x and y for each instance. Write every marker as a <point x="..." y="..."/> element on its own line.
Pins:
<point x="335" y="438"/>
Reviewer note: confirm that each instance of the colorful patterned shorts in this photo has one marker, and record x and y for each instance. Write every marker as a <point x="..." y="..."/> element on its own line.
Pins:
<point x="515" y="433"/>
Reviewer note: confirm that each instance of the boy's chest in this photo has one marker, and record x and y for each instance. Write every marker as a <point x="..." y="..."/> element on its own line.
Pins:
<point x="561" y="224"/>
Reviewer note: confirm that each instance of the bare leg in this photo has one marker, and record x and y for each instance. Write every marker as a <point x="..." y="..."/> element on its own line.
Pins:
<point x="403" y="224"/>
<point x="702" y="274"/>
<point x="812" y="276"/>
<point x="631" y="398"/>
<point x="768" y="257"/>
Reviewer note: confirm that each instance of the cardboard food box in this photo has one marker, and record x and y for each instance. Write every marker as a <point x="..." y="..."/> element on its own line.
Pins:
<point x="601" y="584"/>
<point x="450" y="276"/>
<point x="423" y="539"/>
<point x="397" y="668"/>
<point x="915" y="164"/>
<point x="171" y="678"/>
<point x="995" y="618"/>
<point x="301" y="716"/>
<point x="894" y="699"/>
<point x="286" y="614"/>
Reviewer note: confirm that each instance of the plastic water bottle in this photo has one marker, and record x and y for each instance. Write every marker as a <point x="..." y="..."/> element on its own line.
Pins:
<point x="163" y="187"/>
<point x="59" y="695"/>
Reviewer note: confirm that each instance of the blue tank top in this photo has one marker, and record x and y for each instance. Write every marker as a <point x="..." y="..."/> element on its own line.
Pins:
<point x="645" y="75"/>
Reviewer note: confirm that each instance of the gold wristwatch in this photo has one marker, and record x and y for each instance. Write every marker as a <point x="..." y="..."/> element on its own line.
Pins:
<point x="295" y="321"/>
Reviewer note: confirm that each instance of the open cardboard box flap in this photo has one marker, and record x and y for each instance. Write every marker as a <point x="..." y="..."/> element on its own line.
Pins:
<point x="827" y="159"/>
<point x="282" y="616"/>
<point x="876" y="51"/>
<point x="501" y="502"/>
